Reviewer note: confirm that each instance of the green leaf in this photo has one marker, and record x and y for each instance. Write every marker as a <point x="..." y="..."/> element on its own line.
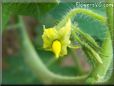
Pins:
<point x="36" y="10"/>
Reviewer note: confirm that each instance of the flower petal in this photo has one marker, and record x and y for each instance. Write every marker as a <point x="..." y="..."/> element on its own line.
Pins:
<point x="66" y="30"/>
<point x="48" y="36"/>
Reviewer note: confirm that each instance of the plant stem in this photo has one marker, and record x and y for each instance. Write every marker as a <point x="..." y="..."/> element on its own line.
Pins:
<point x="110" y="18"/>
<point x="76" y="11"/>
<point x="98" y="73"/>
<point x="30" y="55"/>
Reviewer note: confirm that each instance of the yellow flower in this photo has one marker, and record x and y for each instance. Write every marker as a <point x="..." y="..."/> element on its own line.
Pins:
<point x="57" y="40"/>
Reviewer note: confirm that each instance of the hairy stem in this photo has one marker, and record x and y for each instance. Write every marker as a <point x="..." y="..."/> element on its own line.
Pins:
<point x="76" y="11"/>
<point x="110" y="18"/>
<point x="98" y="73"/>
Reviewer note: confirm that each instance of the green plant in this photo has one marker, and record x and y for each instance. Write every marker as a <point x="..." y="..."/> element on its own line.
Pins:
<point x="101" y="56"/>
